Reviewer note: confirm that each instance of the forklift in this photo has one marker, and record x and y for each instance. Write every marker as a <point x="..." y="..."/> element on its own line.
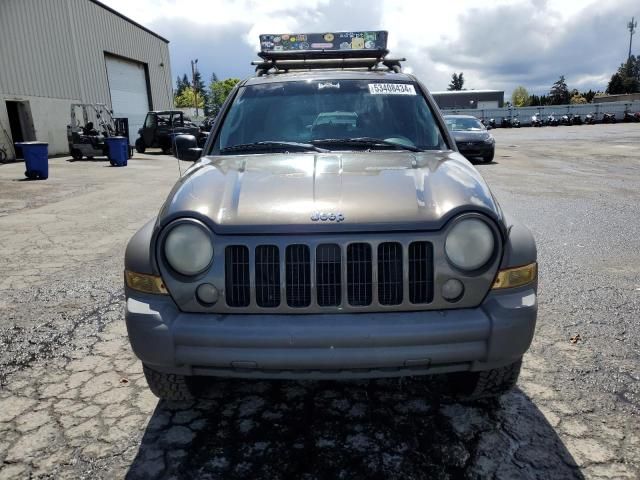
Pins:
<point x="86" y="138"/>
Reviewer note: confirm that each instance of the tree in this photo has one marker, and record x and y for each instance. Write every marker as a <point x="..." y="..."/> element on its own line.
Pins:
<point x="187" y="99"/>
<point x="559" y="93"/>
<point x="520" y="97"/>
<point x="588" y="95"/>
<point x="627" y="78"/>
<point x="218" y="93"/>
<point x="181" y="84"/>
<point x="577" y="99"/>
<point x="457" y="81"/>
<point x="616" y="85"/>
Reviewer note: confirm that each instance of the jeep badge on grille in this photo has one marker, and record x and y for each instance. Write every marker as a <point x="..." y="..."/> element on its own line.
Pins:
<point x="327" y="217"/>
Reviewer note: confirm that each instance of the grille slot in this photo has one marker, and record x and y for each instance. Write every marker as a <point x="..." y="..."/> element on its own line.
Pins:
<point x="359" y="274"/>
<point x="298" y="270"/>
<point x="390" y="273"/>
<point x="237" y="276"/>
<point x="328" y="275"/>
<point x="267" y="276"/>
<point x="420" y="272"/>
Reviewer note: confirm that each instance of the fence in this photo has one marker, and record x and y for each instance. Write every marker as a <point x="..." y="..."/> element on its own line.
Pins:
<point x="524" y="114"/>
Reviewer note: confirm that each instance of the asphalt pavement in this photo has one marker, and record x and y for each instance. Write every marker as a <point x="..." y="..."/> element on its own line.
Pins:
<point x="74" y="403"/>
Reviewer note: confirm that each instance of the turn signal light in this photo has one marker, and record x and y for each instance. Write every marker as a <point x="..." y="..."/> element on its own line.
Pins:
<point x="516" y="277"/>
<point x="145" y="283"/>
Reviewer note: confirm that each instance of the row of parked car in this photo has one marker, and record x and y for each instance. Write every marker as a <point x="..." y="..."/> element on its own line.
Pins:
<point x="537" y="120"/>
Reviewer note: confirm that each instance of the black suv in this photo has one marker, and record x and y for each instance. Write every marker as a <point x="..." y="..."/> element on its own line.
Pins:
<point x="159" y="127"/>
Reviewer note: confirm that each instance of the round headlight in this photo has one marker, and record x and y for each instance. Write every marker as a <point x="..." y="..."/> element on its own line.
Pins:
<point x="469" y="244"/>
<point x="188" y="249"/>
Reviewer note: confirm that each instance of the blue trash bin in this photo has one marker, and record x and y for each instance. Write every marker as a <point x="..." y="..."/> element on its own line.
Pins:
<point x="118" y="150"/>
<point x="36" y="159"/>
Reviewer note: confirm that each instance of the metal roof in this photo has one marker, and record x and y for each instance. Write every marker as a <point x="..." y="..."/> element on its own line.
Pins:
<point x="115" y="12"/>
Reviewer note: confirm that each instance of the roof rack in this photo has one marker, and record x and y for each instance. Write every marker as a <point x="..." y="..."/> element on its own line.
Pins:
<point x="340" y="50"/>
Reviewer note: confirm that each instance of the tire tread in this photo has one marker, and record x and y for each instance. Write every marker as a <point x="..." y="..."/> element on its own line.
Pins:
<point x="168" y="386"/>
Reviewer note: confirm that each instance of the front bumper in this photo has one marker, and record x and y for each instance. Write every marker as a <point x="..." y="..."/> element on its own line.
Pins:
<point x="475" y="149"/>
<point x="332" y="346"/>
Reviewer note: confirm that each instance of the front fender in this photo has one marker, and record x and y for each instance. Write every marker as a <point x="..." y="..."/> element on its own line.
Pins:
<point x="138" y="255"/>
<point x="520" y="246"/>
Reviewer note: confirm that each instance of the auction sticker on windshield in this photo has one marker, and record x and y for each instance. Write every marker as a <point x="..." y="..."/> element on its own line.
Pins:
<point x="391" y="89"/>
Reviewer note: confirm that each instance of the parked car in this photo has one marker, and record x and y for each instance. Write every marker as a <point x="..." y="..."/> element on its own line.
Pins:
<point x="347" y="251"/>
<point x="159" y="127"/>
<point x="472" y="138"/>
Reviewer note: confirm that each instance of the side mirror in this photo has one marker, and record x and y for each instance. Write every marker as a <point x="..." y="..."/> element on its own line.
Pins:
<point x="489" y="127"/>
<point x="186" y="147"/>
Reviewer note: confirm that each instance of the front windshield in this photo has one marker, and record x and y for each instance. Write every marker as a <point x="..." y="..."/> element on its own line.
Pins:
<point x="307" y="112"/>
<point x="465" y="124"/>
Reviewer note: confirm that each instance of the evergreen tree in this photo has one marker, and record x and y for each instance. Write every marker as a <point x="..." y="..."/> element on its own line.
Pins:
<point x="181" y="84"/>
<point x="559" y="93"/>
<point x="627" y="78"/>
<point x="457" y="81"/>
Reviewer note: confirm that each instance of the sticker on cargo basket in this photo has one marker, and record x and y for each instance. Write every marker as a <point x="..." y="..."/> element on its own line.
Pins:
<point x="391" y="89"/>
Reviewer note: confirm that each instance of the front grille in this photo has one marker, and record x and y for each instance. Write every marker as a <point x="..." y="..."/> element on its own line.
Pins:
<point x="359" y="274"/>
<point x="237" y="276"/>
<point x="330" y="275"/>
<point x="267" y="276"/>
<point x="390" y="273"/>
<point x="298" y="276"/>
<point x="420" y="272"/>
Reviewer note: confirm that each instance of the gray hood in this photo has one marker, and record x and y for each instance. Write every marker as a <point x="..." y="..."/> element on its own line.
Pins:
<point x="279" y="193"/>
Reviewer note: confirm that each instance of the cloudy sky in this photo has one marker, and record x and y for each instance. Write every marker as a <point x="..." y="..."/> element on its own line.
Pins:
<point x="497" y="44"/>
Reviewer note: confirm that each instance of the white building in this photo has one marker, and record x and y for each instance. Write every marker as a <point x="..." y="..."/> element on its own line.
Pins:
<point x="57" y="52"/>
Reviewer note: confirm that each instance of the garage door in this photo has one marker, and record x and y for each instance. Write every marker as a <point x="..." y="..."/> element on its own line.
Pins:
<point x="129" y="94"/>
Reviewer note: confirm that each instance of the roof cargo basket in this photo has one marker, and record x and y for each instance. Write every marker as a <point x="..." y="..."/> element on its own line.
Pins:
<point x="338" y="50"/>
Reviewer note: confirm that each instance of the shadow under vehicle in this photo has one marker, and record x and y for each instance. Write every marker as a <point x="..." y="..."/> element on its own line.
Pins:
<point x="379" y="429"/>
<point x="160" y="127"/>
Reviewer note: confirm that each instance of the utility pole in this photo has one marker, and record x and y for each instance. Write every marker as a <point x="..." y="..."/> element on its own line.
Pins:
<point x="194" y="66"/>
<point x="632" y="29"/>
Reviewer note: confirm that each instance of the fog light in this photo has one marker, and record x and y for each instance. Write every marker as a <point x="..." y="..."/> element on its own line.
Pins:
<point x="452" y="290"/>
<point x="207" y="293"/>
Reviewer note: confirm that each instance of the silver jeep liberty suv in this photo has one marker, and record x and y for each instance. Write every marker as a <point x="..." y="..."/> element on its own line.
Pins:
<point x="330" y="229"/>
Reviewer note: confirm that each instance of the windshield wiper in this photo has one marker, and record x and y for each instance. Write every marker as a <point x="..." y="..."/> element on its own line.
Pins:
<point x="367" y="141"/>
<point x="272" y="145"/>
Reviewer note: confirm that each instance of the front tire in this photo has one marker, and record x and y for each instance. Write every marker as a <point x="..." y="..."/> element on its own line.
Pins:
<point x="488" y="158"/>
<point x="140" y="147"/>
<point x="76" y="154"/>
<point x="169" y="386"/>
<point x="472" y="386"/>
